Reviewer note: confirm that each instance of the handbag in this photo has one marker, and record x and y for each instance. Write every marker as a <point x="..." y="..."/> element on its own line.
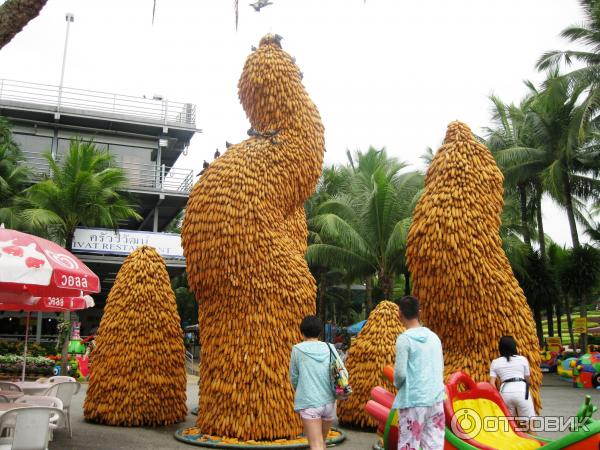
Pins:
<point x="338" y="377"/>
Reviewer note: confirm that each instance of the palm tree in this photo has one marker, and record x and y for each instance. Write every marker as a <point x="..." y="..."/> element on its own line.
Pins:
<point x="333" y="181"/>
<point x="14" y="176"/>
<point x="83" y="189"/>
<point x="581" y="277"/>
<point x="561" y="127"/>
<point x="513" y="148"/>
<point x="522" y="160"/>
<point x="557" y="258"/>
<point x="364" y="230"/>
<point x="586" y="35"/>
<point x="15" y="14"/>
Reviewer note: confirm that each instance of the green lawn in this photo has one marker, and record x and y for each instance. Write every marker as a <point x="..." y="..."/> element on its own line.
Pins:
<point x="565" y="329"/>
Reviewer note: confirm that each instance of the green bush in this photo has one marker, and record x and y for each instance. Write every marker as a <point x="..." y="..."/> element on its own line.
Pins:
<point x="33" y="349"/>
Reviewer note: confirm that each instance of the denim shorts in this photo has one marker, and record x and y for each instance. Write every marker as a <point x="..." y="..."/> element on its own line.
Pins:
<point x="324" y="412"/>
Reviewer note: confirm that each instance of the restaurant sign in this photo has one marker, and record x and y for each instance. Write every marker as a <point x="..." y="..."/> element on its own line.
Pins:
<point x="107" y="242"/>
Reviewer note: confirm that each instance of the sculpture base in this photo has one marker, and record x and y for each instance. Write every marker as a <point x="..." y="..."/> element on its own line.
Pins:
<point x="194" y="436"/>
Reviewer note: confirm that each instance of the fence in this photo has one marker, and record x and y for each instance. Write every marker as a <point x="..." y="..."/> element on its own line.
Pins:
<point x="90" y="103"/>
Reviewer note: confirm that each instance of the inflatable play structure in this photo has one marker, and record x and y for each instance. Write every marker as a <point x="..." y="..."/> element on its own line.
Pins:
<point x="466" y="405"/>
<point x="549" y="361"/>
<point x="586" y="371"/>
<point x="564" y="368"/>
<point x="550" y="356"/>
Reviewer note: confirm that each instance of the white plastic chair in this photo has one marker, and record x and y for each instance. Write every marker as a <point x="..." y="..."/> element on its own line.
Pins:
<point x="8" y="386"/>
<point x="61" y="379"/>
<point x="4" y="399"/>
<point x="65" y="392"/>
<point x="30" y="426"/>
<point x="50" y="402"/>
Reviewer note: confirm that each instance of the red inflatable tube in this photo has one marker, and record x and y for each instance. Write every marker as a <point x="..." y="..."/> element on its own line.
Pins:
<point x="388" y="372"/>
<point x="383" y="397"/>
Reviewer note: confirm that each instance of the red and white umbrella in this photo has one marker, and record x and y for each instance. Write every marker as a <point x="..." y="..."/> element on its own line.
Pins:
<point x="49" y="304"/>
<point x="32" y="266"/>
<point x="45" y="304"/>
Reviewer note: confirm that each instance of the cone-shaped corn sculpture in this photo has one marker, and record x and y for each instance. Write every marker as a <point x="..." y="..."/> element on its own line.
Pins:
<point x="374" y="348"/>
<point x="138" y="374"/>
<point x="469" y="295"/>
<point x="244" y="238"/>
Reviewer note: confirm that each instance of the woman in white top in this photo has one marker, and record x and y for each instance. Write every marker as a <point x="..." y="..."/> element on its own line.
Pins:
<point x="512" y="371"/>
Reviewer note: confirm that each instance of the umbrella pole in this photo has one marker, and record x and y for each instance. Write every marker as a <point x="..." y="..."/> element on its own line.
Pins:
<point x="25" y="348"/>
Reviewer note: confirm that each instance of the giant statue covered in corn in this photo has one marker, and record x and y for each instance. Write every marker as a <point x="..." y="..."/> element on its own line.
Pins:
<point x="244" y="238"/>
<point x="138" y="366"/>
<point x="459" y="270"/>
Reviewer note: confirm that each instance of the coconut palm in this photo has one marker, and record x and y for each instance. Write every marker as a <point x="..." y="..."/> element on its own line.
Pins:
<point x="570" y="143"/>
<point x="513" y="146"/>
<point x="587" y="37"/>
<point x="84" y="188"/>
<point x="15" y="14"/>
<point x="557" y="259"/>
<point x="581" y="277"/>
<point x="14" y="176"/>
<point x="364" y="230"/>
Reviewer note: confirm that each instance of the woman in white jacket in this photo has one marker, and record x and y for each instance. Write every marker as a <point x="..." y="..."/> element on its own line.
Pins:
<point x="512" y="371"/>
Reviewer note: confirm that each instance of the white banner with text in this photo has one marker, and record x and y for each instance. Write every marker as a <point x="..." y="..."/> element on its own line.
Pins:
<point x="107" y="242"/>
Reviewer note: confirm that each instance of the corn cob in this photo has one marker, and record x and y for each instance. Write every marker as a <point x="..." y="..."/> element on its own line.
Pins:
<point x="138" y="373"/>
<point x="373" y="349"/>
<point x="460" y="272"/>
<point x="244" y="238"/>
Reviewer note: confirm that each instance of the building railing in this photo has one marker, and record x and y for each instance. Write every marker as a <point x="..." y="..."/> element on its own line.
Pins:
<point x="161" y="110"/>
<point x="152" y="177"/>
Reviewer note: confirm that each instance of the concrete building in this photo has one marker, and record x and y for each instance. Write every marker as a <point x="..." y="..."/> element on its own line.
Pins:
<point x="146" y="137"/>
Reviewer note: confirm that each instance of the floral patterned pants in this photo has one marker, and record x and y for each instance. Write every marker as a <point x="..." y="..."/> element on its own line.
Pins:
<point x="421" y="427"/>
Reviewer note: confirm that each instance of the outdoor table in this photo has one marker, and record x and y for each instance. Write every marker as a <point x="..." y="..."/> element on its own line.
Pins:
<point x="33" y="387"/>
<point x="11" y="395"/>
<point x="5" y="407"/>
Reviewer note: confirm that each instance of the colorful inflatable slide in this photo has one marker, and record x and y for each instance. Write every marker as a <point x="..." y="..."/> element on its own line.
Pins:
<point x="477" y="418"/>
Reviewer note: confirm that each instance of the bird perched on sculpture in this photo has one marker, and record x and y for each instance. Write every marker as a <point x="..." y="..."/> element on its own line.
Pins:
<point x="260" y="4"/>
<point x="217" y="154"/>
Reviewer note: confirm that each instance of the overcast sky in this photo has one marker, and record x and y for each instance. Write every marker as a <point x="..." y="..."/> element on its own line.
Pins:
<point x="387" y="73"/>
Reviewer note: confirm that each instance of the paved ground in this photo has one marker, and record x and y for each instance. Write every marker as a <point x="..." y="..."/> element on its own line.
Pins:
<point x="558" y="397"/>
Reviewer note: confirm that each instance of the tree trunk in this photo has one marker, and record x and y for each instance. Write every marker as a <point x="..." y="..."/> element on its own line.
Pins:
<point x="322" y="291"/>
<point x="549" y="318"/>
<point x="540" y="224"/>
<point x="69" y="239"/>
<point x="64" y="354"/>
<point x="569" y="208"/>
<point x="523" y="204"/>
<point x="406" y="282"/>
<point x="583" y="313"/>
<point x="369" y="297"/>
<point x="14" y="15"/>
<point x="537" y="315"/>
<point x="386" y="284"/>
<point x="570" y="321"/>
<point x="559" y="318"/>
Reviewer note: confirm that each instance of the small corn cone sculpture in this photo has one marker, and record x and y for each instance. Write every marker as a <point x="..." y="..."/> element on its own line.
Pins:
<point x="138" y="376"/>
<point x="244" y="238"/>
<point x="469" y="295"/>
<point x="374" y="348"/>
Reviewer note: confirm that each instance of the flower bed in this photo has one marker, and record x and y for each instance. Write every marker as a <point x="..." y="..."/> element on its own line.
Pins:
<point x="34" y="364"/>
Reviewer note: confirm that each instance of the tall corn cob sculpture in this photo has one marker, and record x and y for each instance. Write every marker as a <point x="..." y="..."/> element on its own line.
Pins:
<point x="374" y="348"/>
<point x="138" y="374"/>
<point x="469" y="294"/>
<point x="244" y="238"/>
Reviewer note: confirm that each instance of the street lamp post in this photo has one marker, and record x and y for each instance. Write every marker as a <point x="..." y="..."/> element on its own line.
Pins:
<point x="69" y="17"/>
